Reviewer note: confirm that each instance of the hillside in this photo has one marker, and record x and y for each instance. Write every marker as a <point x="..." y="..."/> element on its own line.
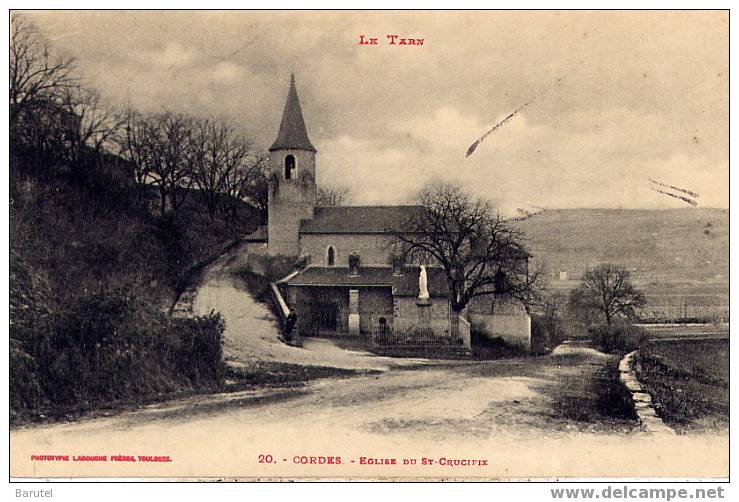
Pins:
<point x="679" y="257"/>
<point x="93" y="271"/>
<point x="673" y="245"/>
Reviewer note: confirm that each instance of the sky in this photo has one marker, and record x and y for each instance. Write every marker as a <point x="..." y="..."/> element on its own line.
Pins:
<point x="614" y="98"/>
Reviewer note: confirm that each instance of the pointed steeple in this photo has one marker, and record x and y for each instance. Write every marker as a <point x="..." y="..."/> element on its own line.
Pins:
<point x="292" y="135"/>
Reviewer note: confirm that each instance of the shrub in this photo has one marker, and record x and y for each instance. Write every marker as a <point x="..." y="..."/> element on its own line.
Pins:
<point x="109" y="346"/>
<point x="547" y="331"/>
<point x="487" y="346"/>
<point x="623" y="337"/>
<point x="25" y="391"/>
<point x="201" y="348"/>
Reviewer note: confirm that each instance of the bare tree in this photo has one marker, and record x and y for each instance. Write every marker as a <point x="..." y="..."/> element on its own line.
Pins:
<point x="247" y="181"/>
<point x="332" y="195"/>
<point x="35" y="72"/>
<point x="96" y="124"/>
<point x="134" y="145"/>
<point x="607" y="290"/>
<point x="252" y="184"/>
<point x="479" y="252"/>
<point x="171" y="160"/>
<point x="43" y="131"/>
<point x="208" y="143"/>
<point x="220" y="165"/>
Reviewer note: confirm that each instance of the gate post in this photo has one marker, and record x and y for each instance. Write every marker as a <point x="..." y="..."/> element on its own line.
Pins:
<point x="354" y="312"/>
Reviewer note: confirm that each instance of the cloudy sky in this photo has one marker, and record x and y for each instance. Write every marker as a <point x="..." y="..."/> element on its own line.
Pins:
<point x="617" y="97"/>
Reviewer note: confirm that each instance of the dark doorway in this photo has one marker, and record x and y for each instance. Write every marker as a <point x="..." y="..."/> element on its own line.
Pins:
<point x="324" y="317"/>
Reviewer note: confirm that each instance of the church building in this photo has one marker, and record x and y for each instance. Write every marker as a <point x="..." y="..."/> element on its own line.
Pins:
<point x="351" y="284"/>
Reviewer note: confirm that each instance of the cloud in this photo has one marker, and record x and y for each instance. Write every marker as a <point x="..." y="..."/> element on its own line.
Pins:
<point x="651" y="97"/>
<point x="520" y="164"/>
<point x="172" y="54"/>
<point x="226" y="71"/>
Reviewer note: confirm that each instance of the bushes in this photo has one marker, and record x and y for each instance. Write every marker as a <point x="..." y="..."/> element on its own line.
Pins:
<point x="547" y="331"/>
<point x="25" y="391"/>
<point x="200" y="349"/>
<point x="487" y="346"/>
<point x="623" y="337"/>
<point x="107" y="347"/>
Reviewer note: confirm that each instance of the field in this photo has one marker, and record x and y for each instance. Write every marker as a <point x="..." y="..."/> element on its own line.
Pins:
<point x="679" y="258"/>
<point x="689" y="382"/>
<point x="683" y="247"/>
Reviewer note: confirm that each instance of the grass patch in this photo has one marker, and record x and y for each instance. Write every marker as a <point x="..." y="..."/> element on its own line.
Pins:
<point x="688" y="382"/>
<point x="599" y="398"/>
<point x="486" y="347"/>
<point x="265" y="373"/>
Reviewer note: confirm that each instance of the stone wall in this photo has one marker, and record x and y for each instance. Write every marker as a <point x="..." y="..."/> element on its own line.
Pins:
<point x="515" y="329"/>
<point x="406" y="315"/>
<point x="289" y="201"/>
<point x="373" y="249"/>
<point x="374" y="303"/>
<point x="643" y="405"/>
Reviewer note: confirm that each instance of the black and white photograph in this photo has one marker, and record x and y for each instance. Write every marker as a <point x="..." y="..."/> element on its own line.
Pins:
<point x="376" y="245"/>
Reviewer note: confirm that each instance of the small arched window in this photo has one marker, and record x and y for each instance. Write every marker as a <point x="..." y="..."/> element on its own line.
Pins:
<point x="289" y="166"/>
<point x="330" y="256"/>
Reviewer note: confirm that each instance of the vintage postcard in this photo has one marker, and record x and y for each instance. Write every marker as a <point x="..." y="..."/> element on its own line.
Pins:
<point x="369" y="245"/>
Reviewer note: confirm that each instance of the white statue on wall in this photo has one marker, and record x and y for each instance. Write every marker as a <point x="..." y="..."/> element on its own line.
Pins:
<point x="423" y="288"/>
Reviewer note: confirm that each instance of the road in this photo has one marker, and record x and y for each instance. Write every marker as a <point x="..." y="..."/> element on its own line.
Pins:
<point x="549" y="416"/>
<point x="524" y="417"/>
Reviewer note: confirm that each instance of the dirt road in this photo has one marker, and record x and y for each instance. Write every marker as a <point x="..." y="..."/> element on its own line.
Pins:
<point x="524" y="417"/>
<point x="550" y="416"/>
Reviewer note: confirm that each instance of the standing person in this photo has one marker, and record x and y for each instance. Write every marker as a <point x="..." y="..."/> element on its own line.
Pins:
<point x="290" y="321"/>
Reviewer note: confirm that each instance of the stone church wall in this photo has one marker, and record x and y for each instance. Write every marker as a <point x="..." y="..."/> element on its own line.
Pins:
<point x="373" y="249"/>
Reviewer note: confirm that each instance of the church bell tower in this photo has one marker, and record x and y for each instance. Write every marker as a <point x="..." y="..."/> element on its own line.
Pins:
<point x="292" y="183"/>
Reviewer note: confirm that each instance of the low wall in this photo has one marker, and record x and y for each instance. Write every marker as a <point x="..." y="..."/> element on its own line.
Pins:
<point x="643" y="405"/>
<point x="514" y="329"/>
<point x="280" y="304"/>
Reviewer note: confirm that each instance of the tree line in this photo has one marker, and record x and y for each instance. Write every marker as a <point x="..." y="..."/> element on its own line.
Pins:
<point x="56" y="120"/>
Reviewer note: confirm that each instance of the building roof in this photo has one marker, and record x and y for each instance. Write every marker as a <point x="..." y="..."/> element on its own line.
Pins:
<point x="402" y="285"/>
<point x="359" y="219"/>
<point x="292" y="135"/>
<point x="339" y="276"/>
<point x="258" y="235"/>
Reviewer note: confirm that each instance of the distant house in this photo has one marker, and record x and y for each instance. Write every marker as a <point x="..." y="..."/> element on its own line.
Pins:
<point x="352" y="285"/>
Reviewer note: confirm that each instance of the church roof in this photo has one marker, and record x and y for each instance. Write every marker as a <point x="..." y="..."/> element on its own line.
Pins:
<point x="292" y="135"/>
<point x="339" y="276"/>
<point x="402" y="285"/>
<point x="359" y="219"/>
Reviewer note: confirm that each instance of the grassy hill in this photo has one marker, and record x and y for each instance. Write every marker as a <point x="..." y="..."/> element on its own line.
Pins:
<point x="93" y="271"/>
<point x="679" y="257"/>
